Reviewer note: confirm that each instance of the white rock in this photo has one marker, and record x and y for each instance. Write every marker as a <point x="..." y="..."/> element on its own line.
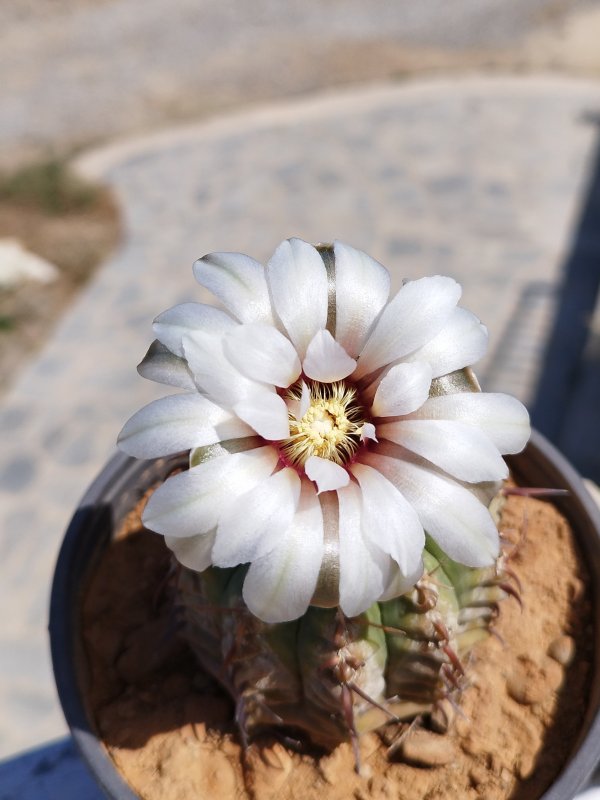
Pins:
<point x="18" y="265"/>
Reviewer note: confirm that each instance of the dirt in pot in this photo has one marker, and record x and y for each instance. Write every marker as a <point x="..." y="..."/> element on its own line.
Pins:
<point x="170" y="729"/>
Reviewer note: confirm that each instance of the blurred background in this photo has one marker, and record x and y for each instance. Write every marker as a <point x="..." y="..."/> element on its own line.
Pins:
<point x="457" y="138"/>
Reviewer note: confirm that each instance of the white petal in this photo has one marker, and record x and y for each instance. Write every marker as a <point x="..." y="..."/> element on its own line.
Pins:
<point x="365" y="569"/>
<point x="298" y="282"/>
<point x="198" y="455"/>
<point x="461" y="450"/>
<point x="161" y="365"/>
<point x="298" y="407"/>
<point x="173" y="324"/>
<point x="399" y="584"/>
<point x="252" y="525"/>
<point x="194" y="552"/>
<point x="214" y="374"/>
<point x="368" y="431"/>
<point x="458" y="522"/>
<point x="362" y="286"/>
<point x="175" y="423"/>
<point x="413" y="317"/>
<point x="262" y="353"/>
<point x="279" y="586"/>
<point x="402" y="390"/>
<point x="326" y="474"/>
<point x="388" y="520"/>
<point x="266" y="413"/>
<point x="461" y="342"/>
<point x="326" y="360"/>
<point x="501" y="417"/>
<point x="304" y="401"/>
<point x="192" y="501"/>
<point x="240" y="284"/>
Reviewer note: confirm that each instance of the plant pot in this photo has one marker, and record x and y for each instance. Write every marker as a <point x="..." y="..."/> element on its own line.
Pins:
<point x="115" y="493"/>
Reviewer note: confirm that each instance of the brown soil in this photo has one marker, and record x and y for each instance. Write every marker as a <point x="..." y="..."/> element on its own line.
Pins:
<point x="76" y="240"/>
<point x="171" y="731"/>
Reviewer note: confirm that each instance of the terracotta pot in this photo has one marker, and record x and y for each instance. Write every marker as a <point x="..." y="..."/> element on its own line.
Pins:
<point x="117" y="489"/>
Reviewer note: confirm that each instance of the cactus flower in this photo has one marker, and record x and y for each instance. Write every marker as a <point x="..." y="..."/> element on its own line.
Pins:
<point x="322" y="448"/>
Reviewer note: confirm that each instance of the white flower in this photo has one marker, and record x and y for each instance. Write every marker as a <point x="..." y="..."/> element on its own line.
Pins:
<point x="321" y="448"/>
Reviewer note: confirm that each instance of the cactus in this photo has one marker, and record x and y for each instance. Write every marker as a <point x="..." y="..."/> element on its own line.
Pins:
<point x="334" y="677"/>
<point x="337" y="557"/>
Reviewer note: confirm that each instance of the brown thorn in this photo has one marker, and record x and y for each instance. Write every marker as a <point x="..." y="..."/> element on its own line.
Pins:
<point x="297" y="745"/>
<point x="369" y="699"/>
<point x="441" y="584"/>
<point x="454" y="659"/>
<point x="530" y="491"/>
<point x="269" y="711"/>
<point x="433" y="571"/>
<point x="439" y="708"/>
<point x="457" y="708"/>
<point x="442" y="630"/>
<point x="506" y="587"/>
<point x="397" y="743"/>
<point x="449" y="676"/>
<point x="494" y="609"/>
<point x="195" y="731"/>
<point x="240" y="719"/>
<point x="348" y="710"/>
<point x="512" y="574"/>
<point x="388" y="628"/>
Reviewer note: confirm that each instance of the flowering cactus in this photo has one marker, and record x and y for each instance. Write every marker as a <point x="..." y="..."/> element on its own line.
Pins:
<point x="337" y="554"/>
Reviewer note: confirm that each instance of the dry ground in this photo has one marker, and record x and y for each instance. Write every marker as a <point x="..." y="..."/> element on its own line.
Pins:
<point x="72" y="225"/>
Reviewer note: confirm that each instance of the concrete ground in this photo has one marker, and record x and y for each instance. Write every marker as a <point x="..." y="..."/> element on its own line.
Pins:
<point x="479" y="177"/>
<point x="78" y="72"/>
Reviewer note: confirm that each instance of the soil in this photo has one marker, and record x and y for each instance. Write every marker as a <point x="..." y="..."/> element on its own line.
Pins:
<point x="171" y="733"/>
<point x="76" y="240"/>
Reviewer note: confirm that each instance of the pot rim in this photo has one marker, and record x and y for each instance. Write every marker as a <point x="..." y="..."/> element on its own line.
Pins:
<point x="92" y="522"/>
<point x="64" y="602"/>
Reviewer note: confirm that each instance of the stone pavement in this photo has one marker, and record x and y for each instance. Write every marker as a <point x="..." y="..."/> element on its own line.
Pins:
<point x="478" y="178"/>
<point x="76" y="72"/>
<point x="52" y="772"/>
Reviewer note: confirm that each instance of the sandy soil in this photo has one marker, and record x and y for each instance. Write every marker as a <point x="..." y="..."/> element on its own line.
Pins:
<point x="170" y="730"/>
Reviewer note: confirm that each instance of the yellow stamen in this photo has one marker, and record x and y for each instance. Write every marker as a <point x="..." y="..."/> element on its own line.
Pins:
<point x="330" y="428"/>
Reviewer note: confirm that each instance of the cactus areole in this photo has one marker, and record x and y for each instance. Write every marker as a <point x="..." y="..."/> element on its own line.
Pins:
<point x="337" y="554"/>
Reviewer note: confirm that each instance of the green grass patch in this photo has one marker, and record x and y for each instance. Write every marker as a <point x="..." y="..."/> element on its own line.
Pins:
<point x="49" y="186"/>
<point x="6" y="323"/>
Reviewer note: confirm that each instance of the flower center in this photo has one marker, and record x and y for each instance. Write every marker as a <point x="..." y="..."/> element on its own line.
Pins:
<point x="330" y="426"/>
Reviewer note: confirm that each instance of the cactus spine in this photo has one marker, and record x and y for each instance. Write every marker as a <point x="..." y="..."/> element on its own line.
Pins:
<point x="334" y="677"/>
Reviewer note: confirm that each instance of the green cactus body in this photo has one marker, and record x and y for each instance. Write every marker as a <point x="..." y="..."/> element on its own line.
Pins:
<point x="335" y="677"/>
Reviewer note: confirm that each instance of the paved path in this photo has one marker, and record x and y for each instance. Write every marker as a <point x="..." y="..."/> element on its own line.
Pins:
<point x="477" y="178"/>
<point x="52" y="772"/>
<point x="79" y="71"/>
